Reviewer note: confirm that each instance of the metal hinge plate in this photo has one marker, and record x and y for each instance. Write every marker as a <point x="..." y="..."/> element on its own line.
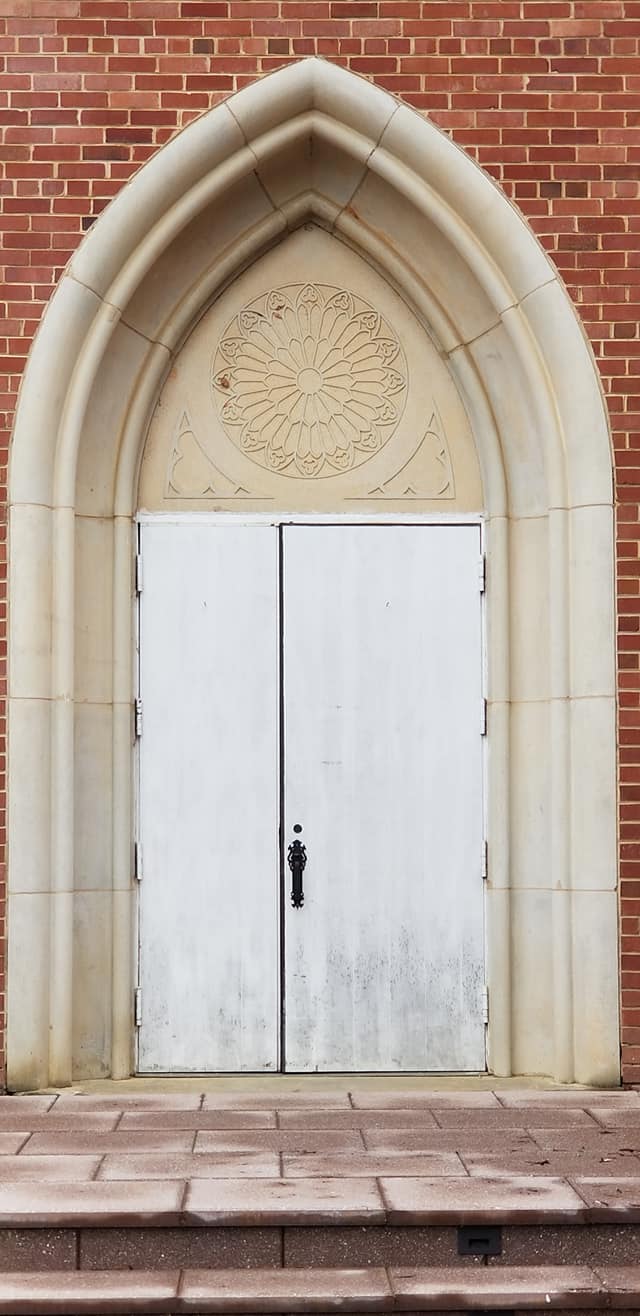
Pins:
<point x="137" y="861"/>
<point x="485" y="859"/>
<point x="138" y="717"/>
<point x="138" y="573"/>
<point x="485" y="1005"/>
<point x="137" y="1006"/>
<point x="483" y="717"/>
<point x="482" y="573"/>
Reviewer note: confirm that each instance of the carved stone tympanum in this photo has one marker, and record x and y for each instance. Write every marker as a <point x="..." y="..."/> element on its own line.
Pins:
<point x="309" y="380"/>
<point x="310" y="386"/>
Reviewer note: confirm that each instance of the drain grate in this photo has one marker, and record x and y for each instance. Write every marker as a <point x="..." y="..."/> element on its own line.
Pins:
<point x="480" y="1241"/>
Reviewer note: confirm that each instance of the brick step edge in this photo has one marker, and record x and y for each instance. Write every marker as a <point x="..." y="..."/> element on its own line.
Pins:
<point x="508" y="1289"/>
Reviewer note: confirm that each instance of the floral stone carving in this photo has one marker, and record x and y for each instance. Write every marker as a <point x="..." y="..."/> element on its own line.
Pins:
<point x="309" y="380"/>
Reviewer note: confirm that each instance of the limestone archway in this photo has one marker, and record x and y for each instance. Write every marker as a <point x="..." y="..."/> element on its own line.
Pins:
<point x="313" y="143"/>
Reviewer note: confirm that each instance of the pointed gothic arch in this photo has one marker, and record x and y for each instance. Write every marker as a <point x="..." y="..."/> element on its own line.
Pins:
<point x="313" y="143"/>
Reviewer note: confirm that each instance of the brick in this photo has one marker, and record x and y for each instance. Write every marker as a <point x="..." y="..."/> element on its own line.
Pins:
<point x="379" y="28"/>
<point x="205" y="9"/>
<point x="343" y="9"/>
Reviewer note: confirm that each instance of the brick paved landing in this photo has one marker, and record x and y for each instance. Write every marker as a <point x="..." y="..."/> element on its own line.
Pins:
<point x="321" y="1158"/>
<point x="318" y="1158"/>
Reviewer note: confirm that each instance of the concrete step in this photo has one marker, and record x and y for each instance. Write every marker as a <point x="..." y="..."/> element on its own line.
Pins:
<point x="512" y="1290"/>
<point x="117" y="1246"/>
<point x="317" y="1222"/>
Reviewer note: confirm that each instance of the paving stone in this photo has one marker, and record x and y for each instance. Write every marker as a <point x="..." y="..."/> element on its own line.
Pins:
<point x="64" y="1293"/>
<point x="10" y="1143"/>
<point x="394" y="1100"/>
<point x="296" y="1141"/>
<point x="26" y="1102"/>
<point x="371" y="1164"/>
<point x="596" y="1142"/>
<point x="469" y="1201"/>
<point x="277" y="1099"/>
<point x="616" y="1117"/>
<point x="49" y="1169"/>
<point x="373" y="1246"/>
<point x="285" y="1290"/>
<point x="74" y="1144"/>
<point x="555" y="1163"/>
<point x="552" y="1287"/>
<point x="80" y="1101"/>
<point x="37" y="1249"/>
<point x="257" y="1165"/>
<point x="197" y="1119"/>
<point x="163" y="1248"/>
<point x="58" y="1204"/>
<point x="584" y="1097"/>
<point x="622" y="1284"/>
<point x="355" y="1119"/>
<point x="55" y="1121"/>
<point x="284" y="1201"/>
<point x="449" y="1140"/>
<point x="523" y="1117"/>
<point x="609" y="1198"/>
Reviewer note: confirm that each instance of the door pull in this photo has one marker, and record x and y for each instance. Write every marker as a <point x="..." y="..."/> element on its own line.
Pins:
<point x="297" y="859"/>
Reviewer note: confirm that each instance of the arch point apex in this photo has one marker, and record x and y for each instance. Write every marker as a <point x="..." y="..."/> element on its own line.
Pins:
<point x="238" y="178"/>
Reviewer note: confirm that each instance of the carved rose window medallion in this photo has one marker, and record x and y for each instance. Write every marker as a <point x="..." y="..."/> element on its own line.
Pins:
<point x="309" y="380"/>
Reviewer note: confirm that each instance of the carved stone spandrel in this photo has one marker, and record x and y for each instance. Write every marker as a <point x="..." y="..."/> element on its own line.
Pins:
<point x="191" y="473"/>
<point x="427" y="474"/>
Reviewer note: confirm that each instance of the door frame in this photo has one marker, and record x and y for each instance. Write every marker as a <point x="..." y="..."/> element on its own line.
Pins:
<point x="277" y="520"/>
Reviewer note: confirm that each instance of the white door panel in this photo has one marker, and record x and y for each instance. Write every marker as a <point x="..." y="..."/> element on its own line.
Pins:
<point x="382" y="753"/>
<point x="380" y="695"/>
<point x="209" y="798"/>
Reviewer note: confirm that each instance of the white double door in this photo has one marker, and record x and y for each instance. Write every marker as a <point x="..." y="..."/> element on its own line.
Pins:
<point x="324" y="678"/>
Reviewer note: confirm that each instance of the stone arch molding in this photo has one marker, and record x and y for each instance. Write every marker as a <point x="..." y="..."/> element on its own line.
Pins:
<point x="313" y="143"/>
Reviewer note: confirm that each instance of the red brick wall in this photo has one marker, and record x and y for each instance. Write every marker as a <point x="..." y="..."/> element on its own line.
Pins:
<point x="545" y="94"/>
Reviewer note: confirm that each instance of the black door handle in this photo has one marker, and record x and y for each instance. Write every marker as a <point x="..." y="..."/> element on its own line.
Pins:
<point x="296" y="859"/>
